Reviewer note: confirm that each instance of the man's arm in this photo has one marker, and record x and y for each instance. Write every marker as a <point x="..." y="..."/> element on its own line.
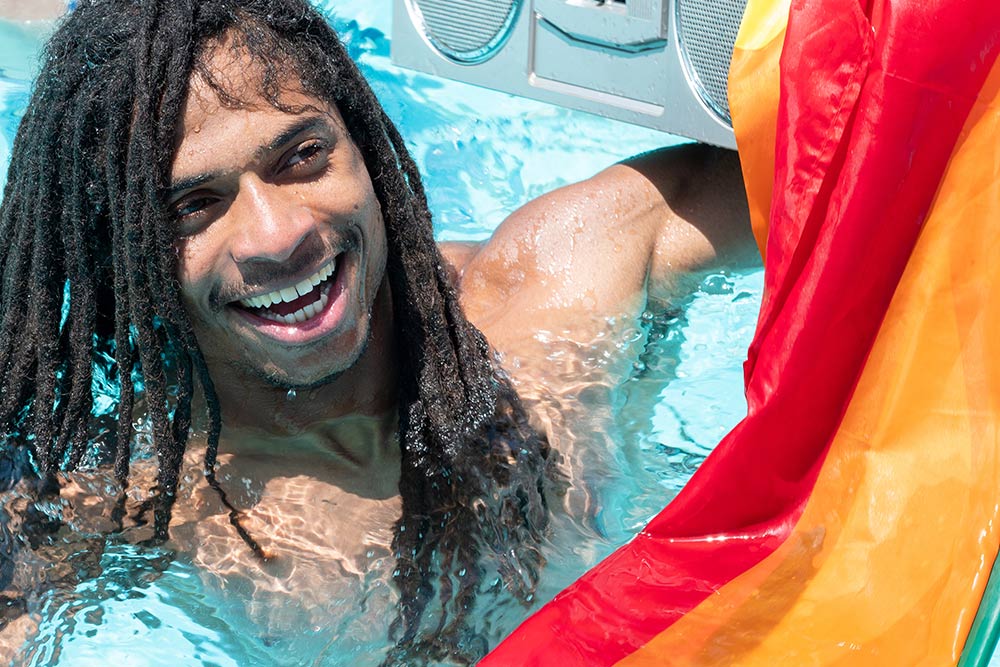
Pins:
<point x="706" y="221"/>
<point x="606" y="246"/>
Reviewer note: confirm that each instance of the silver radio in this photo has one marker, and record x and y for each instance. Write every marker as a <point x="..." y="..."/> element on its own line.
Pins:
<point x="658" y="63"/>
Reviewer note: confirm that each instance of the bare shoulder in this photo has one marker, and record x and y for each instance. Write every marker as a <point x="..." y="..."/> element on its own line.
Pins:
<point x="556" y="253"/>
<point x="458" y="254"/>
<point x="600" y="248"/>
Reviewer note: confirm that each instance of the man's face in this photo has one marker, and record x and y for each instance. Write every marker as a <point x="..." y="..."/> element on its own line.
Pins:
<point x="282" y="245"/>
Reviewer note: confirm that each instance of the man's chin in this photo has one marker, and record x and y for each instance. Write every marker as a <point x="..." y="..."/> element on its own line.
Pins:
<point x="286" y="383"/>
<point x="294" y="379"/>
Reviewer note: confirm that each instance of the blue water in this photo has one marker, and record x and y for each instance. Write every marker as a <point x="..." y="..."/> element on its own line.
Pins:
<point x="482" y="155"/>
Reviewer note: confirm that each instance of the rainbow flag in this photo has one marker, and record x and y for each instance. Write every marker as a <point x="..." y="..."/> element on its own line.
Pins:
<point x="852" y="517"/>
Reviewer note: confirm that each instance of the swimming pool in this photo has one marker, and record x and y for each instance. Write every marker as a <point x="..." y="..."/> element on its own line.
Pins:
<point x="482" y="155"/>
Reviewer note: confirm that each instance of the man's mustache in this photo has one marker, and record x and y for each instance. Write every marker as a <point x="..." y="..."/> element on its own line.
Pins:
<point x="264" y="275"/>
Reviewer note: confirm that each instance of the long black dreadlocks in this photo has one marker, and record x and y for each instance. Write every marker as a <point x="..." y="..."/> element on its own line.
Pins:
<point x="88" y="243"/>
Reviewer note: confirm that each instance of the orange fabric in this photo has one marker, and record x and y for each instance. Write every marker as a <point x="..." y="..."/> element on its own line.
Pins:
<point x="755" y="61"/>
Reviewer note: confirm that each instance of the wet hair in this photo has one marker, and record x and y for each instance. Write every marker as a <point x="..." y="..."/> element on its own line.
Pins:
<point x="89" y="271"/>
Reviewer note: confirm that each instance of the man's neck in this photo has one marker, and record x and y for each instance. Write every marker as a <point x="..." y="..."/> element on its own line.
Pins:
<point x="343" y="430"/>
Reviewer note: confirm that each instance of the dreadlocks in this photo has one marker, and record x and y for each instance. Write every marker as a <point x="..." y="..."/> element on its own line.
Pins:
<point x="89" y="270"/>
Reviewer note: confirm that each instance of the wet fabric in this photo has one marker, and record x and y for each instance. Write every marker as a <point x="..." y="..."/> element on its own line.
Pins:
<point x="851" y="517"/>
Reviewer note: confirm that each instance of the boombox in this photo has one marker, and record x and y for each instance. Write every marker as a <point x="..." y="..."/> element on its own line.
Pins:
<point x="658" y="63"/>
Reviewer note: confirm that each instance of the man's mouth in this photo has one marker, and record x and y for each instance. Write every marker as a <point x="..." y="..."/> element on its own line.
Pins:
<point x="296" y="304"/>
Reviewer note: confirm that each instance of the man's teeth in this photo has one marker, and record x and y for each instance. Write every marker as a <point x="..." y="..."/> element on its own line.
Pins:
<point x="300" y="315"/>
<point x="291" y="293"/>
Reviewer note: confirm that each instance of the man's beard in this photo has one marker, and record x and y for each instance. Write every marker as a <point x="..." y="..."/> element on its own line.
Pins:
<point x="278" y="381"/>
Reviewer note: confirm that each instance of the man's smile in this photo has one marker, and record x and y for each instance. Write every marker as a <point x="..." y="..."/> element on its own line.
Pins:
<point x="282" y="241"/>
<point x="299" y="303"/>
<point x="302" y="312"/>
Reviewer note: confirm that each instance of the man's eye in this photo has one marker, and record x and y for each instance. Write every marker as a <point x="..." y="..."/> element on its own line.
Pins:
<point x="306" y="156"/>
<point x="194" y="213"/>
<point x="191" y="207"/>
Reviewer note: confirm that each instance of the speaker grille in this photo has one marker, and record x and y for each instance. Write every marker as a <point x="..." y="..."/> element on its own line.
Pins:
<point x="467" y="31"/>
<point x="707" y="31"/>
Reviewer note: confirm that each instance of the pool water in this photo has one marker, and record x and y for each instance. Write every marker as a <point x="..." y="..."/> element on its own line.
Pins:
<point x="482" y="155"/>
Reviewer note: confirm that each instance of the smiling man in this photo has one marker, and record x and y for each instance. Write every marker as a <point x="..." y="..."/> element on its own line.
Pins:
<point x="209" y="194"/>
<point x="283" y="246"/>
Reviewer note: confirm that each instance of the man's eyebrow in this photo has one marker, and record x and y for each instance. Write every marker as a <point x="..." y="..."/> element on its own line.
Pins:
<point x="306" y="124"/>
<point x="190" y="183"/>
<point x="301" y="126"/>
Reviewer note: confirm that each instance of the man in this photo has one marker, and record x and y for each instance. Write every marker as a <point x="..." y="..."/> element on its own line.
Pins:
<point x="216" y="192"/>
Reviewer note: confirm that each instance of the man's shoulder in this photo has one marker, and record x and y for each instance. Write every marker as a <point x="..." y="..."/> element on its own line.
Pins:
<point x="459" y="254"/>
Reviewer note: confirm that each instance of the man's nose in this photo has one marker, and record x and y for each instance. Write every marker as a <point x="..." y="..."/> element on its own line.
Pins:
<point x="270" y="223"/>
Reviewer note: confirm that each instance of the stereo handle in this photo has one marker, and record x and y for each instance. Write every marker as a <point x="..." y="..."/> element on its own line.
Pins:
<point x="629" y="26"/>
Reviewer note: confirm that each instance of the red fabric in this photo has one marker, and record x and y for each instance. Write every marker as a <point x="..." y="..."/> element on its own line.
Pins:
<point x="867" y="120"/>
